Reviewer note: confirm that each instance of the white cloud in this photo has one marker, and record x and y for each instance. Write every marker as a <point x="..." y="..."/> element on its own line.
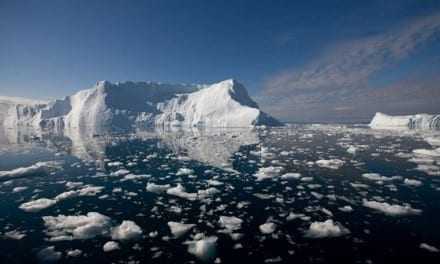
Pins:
<point x="336" y="85"/>
<point x="354" y="61"/>
<point x="391" y="209"/>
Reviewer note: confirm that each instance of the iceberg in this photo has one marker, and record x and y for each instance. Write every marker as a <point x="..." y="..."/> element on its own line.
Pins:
<point x="122" y="106"/>
<point x="417" y="121"/>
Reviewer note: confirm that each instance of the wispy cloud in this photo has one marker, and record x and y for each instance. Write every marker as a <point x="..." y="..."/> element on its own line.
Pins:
<point x="348" y="65"/>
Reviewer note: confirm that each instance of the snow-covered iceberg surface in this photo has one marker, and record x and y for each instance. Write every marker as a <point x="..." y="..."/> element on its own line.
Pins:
<point x="418" y="121"/>
<point x="124" y="105"/>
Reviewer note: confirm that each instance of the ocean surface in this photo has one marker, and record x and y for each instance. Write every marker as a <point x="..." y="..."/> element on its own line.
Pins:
<point x="300" y="194"/>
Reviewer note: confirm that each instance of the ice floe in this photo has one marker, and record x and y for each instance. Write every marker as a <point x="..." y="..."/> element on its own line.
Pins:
<point x="327" y="228"/>
<point x="179" y="229"/>
<point x="391" y="209"/>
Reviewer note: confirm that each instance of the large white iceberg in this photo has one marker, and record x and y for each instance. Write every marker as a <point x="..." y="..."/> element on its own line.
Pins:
<point x="124" y="105"/>
<point x="417" y="121"/>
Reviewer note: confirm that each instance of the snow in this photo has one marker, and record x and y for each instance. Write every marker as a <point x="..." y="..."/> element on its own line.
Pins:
<point x="110" y="246"/>
<point x="179" y="229"/>
<point x="127" y="230"/>
<point x="417" y="121"/>
<point x="324" y="229"/>
<point x="391" y="209"/>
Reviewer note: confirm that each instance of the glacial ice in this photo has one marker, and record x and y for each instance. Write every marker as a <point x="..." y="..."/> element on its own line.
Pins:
<point x="121" y="106"/>
<point x="417" y="121"/>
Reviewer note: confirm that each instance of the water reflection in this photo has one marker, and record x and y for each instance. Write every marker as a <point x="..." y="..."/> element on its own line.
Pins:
<point x="213" y="147"/>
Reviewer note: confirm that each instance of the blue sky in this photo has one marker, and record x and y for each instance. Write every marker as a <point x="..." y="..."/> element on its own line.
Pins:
<point x="53" y="48"/>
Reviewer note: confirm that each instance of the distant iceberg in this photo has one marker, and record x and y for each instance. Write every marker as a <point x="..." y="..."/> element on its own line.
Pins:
<point x="417" y="121"/>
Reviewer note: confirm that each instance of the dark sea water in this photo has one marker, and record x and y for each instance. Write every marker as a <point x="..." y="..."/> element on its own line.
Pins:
<point x="330" y="169"/>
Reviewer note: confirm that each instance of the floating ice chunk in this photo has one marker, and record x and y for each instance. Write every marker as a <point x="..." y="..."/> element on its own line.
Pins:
<point x="37" y="168"/>
<point x="330" y="164"/>
<point x="391" y="209"/>
<point x="37" y="205"/>
<point x="352" y="150"/>
<point x="180" y="192"/>
<point x="184" y="171"/>
<point x="74" y="253"/>
<point x="203" y="194"/>
<point x="120" y="172"/>
<point x="127" y="230"/>
<point x="291" y="175"/>
<point x="411" y="182"/>
<point x="327" y="228"/>
<point x="231" y="223"/>
<point x="346" y="208"/>
<point x="378" y="177"/>
<point x="268" y="228"/>
<point x="156" y="188"/>
<point x="268" y="173"/>
<point x="293" y="216"/>
<point x="14" y="234"/>
<point x="215" y="182"/>
<point x="428" y="152"/>
<point x="179" y="229"/>
<point x="134" y="177"/>
<point x="205" y="249"/>
<point x="43" y="203"/>
<point x="88" y="226"/>
<point x="429" y="248"/>
<point x="115" y="164"/>
<point x="49" y="254"/>
<point x="19" y="189"/>
<point x="110" y="246"/>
